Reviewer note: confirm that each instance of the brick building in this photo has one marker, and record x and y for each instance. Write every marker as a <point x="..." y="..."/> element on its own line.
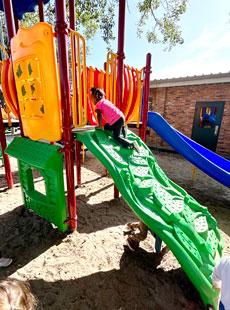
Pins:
<point x="176" y="100"/>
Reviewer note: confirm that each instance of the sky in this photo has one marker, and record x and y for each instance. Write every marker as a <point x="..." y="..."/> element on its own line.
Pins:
<point x="206" y="50"/>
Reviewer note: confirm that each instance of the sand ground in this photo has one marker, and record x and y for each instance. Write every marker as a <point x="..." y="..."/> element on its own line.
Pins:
<point x="92" y="268"/>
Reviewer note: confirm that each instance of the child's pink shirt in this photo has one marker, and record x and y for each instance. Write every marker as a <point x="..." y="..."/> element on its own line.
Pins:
<point x="109" y="111"/>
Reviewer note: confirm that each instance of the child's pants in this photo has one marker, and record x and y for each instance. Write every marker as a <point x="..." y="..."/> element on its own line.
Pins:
<point x="116" y="129"/>
<point x="221" y="306"/>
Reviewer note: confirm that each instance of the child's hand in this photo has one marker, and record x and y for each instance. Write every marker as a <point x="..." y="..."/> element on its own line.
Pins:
<point x="216" y="288"/>
<point x="133" y="226"/>
<point x="209" y="307"/>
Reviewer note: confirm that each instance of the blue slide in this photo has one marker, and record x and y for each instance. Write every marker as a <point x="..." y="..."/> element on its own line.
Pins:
<point x="212" y="164"/>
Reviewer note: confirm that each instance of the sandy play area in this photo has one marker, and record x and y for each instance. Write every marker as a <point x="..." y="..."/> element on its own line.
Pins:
<point x="92" y="268"/>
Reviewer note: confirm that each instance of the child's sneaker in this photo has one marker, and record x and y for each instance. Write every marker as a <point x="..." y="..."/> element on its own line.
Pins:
<point x="132" y="244"/>
<point x="4" y="262"/>
<point x="136" y="147"/>
<point x="125" y="131"/>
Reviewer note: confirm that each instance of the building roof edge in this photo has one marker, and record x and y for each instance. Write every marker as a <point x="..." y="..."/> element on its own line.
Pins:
<point x="192" y="80"/>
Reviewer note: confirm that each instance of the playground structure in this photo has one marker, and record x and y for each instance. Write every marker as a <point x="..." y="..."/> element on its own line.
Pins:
<point x="43" y="106"/>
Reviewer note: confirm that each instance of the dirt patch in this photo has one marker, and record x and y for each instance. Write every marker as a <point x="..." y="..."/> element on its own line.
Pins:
<point x="92" y="267"/>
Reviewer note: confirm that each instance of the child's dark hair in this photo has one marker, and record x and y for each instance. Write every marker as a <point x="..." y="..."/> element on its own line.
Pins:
<point x="98" y="93"/>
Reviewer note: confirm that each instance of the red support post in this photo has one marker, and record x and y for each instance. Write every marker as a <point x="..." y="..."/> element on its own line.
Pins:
<point x="41" y="10"/>
<point x="16" y="23"/>
<point x="10" y="25"/>
<point x="72" y="14"/>
<point x="105" y="170"/>
<point x="11" y="31"/>
<point x="9" y="15"/>
<point x="120" y="51"/>
<point x="120" y="62"/>
<point x="67" y="125"/>
<point x="77" y="143"/>
<point x="8" y="173"/>
<point x="147" y="71"/>
<point x="78" y="161"/>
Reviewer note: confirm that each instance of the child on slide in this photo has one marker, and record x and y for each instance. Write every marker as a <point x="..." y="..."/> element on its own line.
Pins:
<point x="115" y="120"/>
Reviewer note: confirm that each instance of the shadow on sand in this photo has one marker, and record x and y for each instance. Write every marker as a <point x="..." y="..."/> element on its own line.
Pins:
<point x="25" y="236"/>
<point x="124" y="288"/>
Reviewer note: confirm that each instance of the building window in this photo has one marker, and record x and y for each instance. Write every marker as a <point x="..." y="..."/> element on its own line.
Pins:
<point x="150" y="104"/>
<point x="207" y="117"/>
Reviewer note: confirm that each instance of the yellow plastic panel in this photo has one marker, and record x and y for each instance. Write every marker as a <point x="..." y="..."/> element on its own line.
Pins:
<point x="136" y="114"/>
<point x="130" y="97"/>
<point x="37" y="83"/>
<point x="111" y="77"/>
<point x="101" y="79"/>
<point x="90" y="85"/>
<point x="79" y="115"/>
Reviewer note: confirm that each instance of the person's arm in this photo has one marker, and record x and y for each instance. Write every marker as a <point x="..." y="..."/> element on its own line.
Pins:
<point x="99" y="119"/>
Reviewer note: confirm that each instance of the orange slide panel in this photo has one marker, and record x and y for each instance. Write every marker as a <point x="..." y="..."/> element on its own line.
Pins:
<point x="8" y="89"/>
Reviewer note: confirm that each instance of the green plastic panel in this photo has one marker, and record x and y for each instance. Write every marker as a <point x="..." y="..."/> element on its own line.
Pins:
<point x="38" y="154"/>
<point x="45" y="159"/>
<point x="168" y="210"/>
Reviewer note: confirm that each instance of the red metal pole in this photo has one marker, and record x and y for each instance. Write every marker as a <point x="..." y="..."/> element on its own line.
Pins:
<point x="120" y="62"/>
<point x="41" y="10"/>
<point x="120" y="51"/>
<point x="11" y="31"/>
<point x="16" y="23"/>
<point x="9" y="15"/>
<point x="105" y="65"/>
<point x="78" y="160"/>
<point x="147" y="72"/>
<point x="8" y="173"/>
<point x="77" y="143"/>
<point x="72" y="14"/>
<point x="62" y="35"/>
<point x="72" y="26"/>
<point x="10" y="25"/>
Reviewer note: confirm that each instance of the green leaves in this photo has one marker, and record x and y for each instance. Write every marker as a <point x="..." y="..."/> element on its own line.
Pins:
<point x="90" y="16"/>
<point x="159" y="19"/>
<point x="95" y="15"/>
<point x="164" y="16"/>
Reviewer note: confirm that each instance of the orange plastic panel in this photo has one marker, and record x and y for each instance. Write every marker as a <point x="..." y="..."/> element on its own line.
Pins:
<point x="12" y="90"/>
<point x="130" y="97"/>
<point x="37" y="83"/>
<point x="136" y="113"/>
<point x="8" y="88"/>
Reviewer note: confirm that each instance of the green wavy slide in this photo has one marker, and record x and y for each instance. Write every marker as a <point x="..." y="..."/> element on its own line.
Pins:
<point x="187" y="228"/>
